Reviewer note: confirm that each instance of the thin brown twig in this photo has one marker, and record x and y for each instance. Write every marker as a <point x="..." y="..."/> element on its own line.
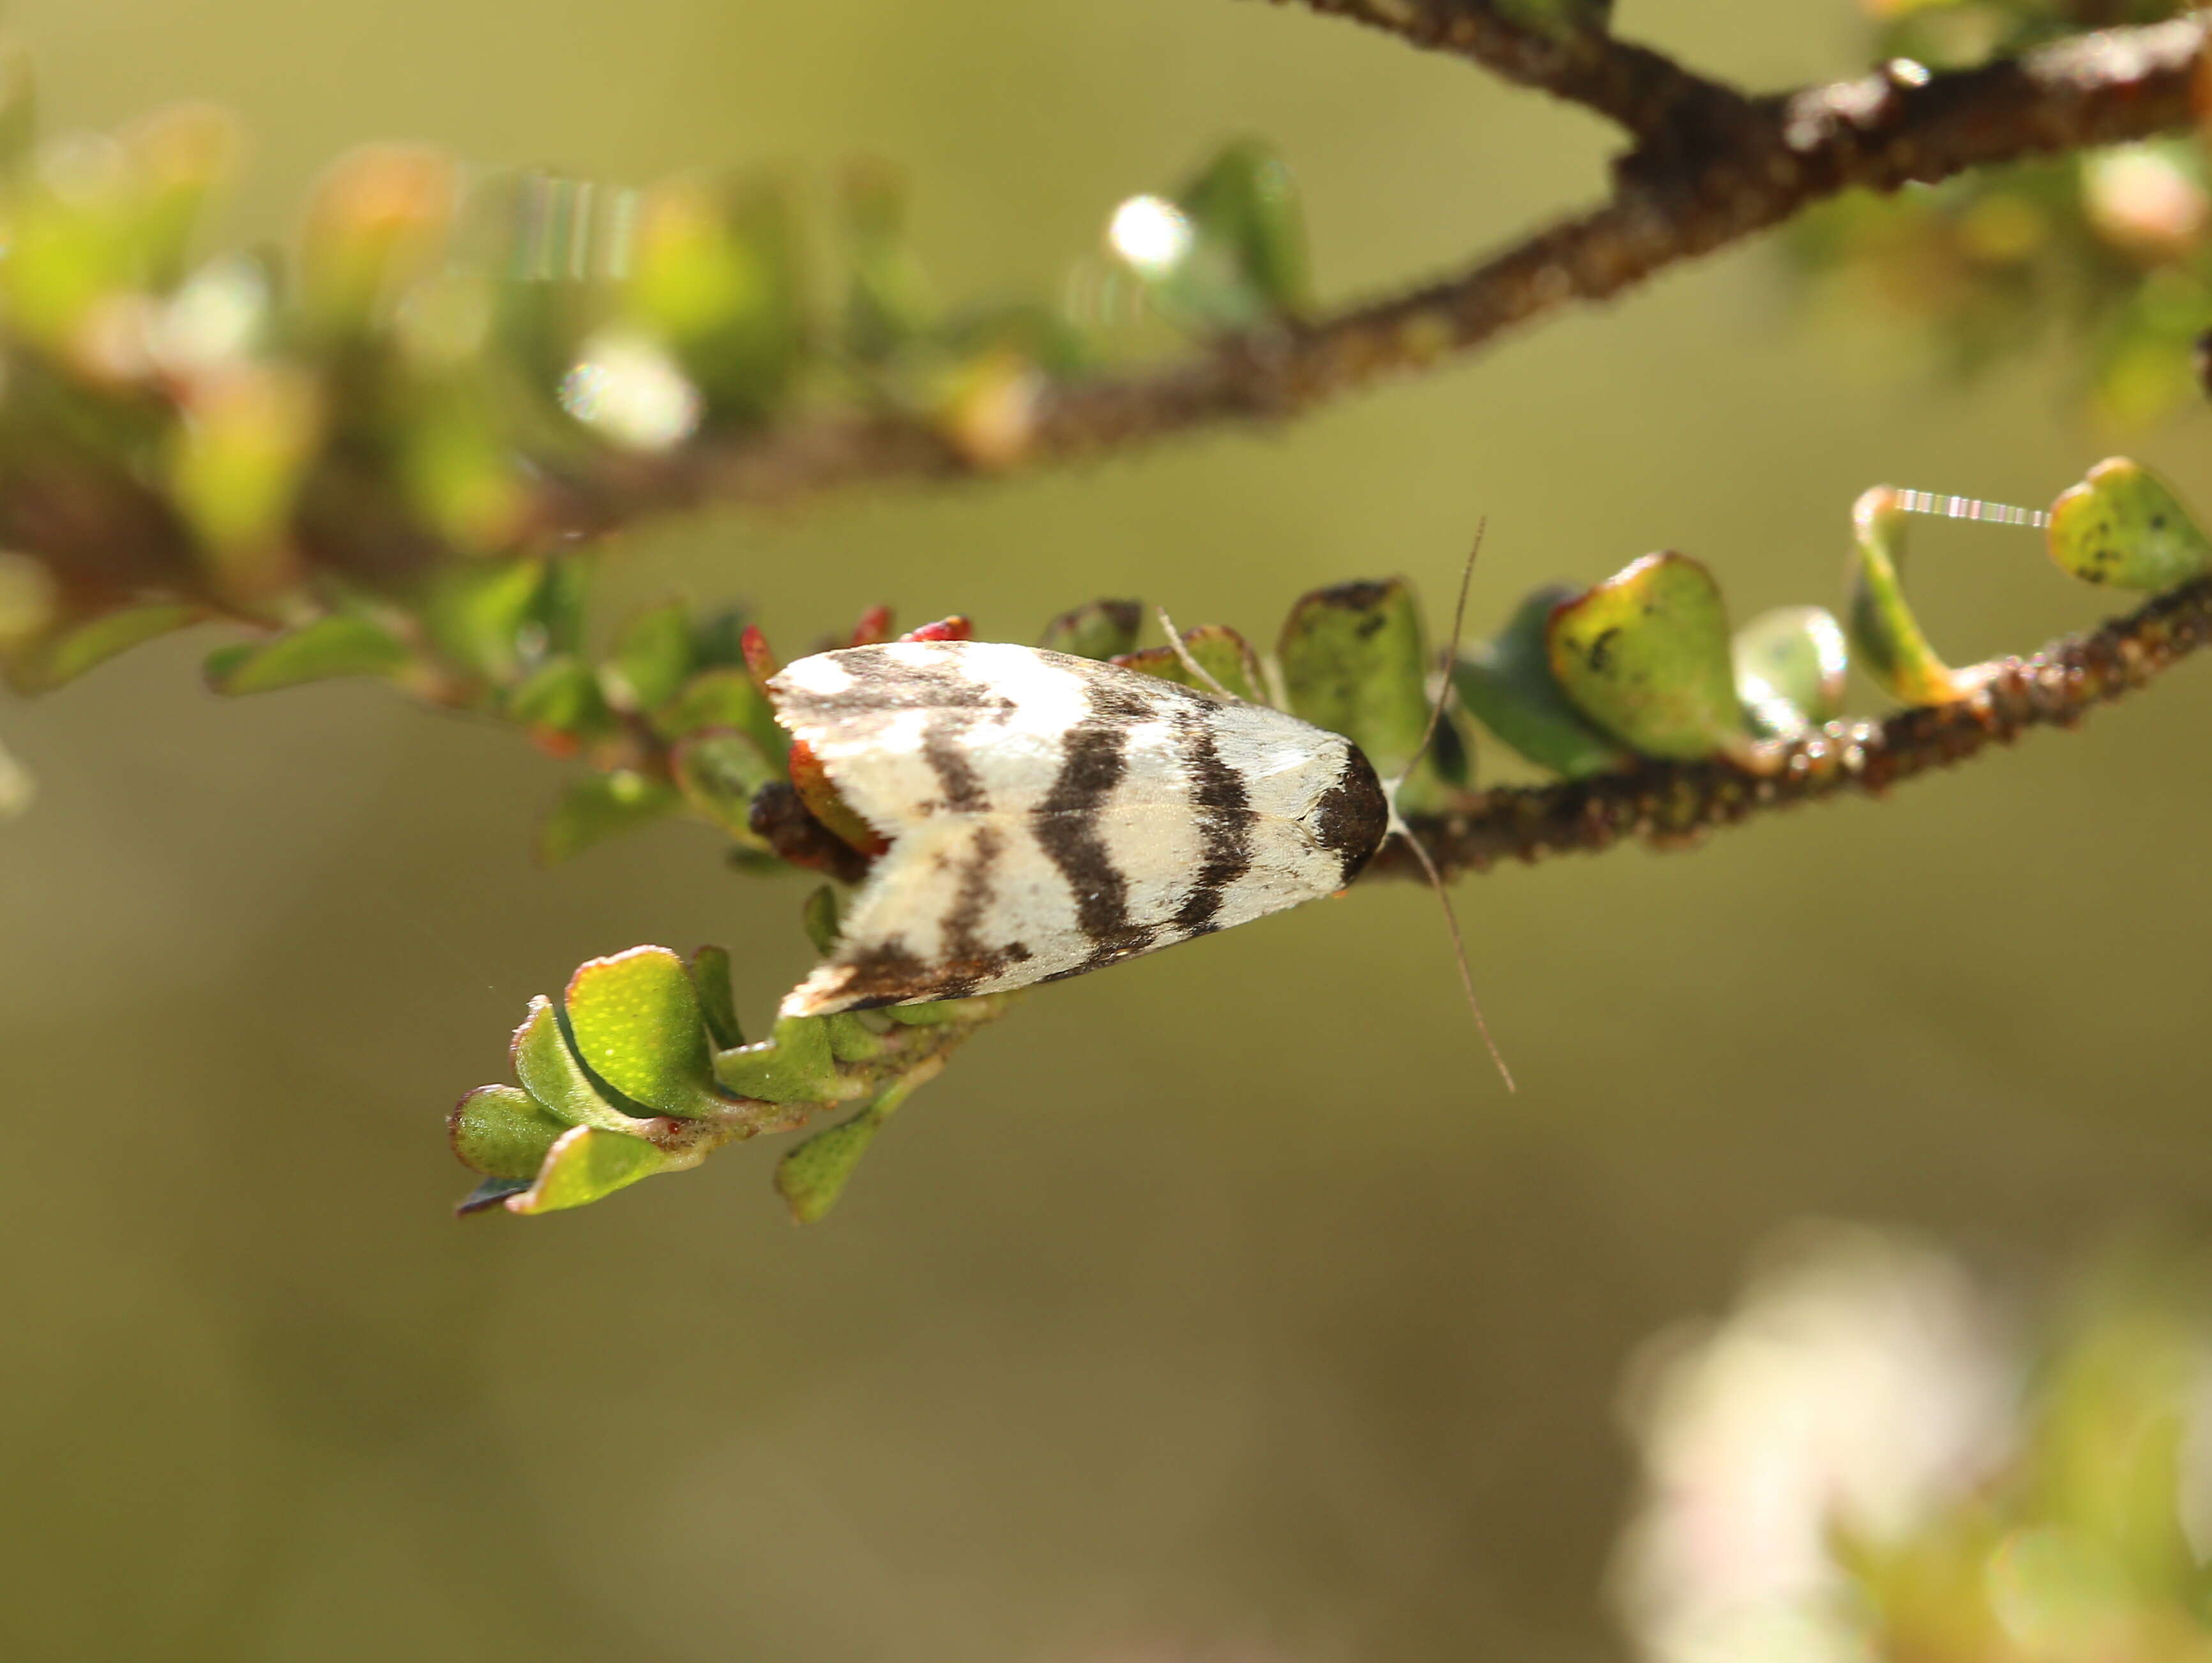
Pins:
<point x="1673" y="805"/>
<point x="1671" y="204"/>
<point x="1645" y="91"/>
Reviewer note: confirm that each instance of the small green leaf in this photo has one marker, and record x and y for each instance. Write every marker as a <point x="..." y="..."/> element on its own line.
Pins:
<point x="634" y="1021"/>
<point x="1101" y="630"/>
<point x="341" y="644"/>
<point x="1645" y="656"/>
<point x="1214" y="647"/>
<point x="587" y="1164"/>
<point x="820" y="917"/>
<point x="600" y="807"/>
<point x="1508" y="685"/>
<point x="651" y="659"/>
<point x="559" y="610"/>
<point x="476" y="614"/>
<point x="492" y="1192"/>
<point x="561" y="694"/>
<point x="852" y="1040"/>
<point x="2124" y="525"/>
<point x="1790" y="670"/>
<point x="724" y="697"/>
<point x="720" y="772"/>
<point x="61" y="657"/>
<point x="1245" y="205"/>
<point x="710" y="974"/>
<point x="546" y="1064"/>
<point x="1884" y="633"/>
<point x="794" y="1064"/>
<point x="1353" y="662"/>
<point x="812" y="1175"/>
<point x="502" y="1132"/>
<point x="1228" y="253"/>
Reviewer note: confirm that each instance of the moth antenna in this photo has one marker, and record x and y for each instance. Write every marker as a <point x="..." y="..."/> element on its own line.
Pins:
<point x="1459" y="949"/>
<point x="1969" y="507"/>
<point x="1398" y="828"/>
<point x="1182" y="653"/>
<point x="1451" y="656"/>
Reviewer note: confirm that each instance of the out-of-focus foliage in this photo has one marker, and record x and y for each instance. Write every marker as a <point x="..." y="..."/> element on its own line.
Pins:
<point x="2113" y="247"/>
<point x="455" y="362"/>
<point x="1878" y="1457"/>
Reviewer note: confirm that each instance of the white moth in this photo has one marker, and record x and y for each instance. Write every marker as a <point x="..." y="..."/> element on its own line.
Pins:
<point x="1048" y="815"/>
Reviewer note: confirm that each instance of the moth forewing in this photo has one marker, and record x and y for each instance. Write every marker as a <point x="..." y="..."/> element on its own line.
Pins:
<point x="1048" y="815"/>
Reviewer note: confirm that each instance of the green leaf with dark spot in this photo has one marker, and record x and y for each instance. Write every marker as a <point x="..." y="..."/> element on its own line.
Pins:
<point x="2124" y="525"/>
<point x="1790" y="664"/>
<point x="1353" y="662"/>
<point x="68" y="654"/>
<point x="1645" y="656"/>
<point x="546" y="1065"/>
<point x="634" y="1021"/>
<point x="502" y="1132"/>
<point x="1214" y="647"/>
<point x="1884" y="634"/>
<point x="651" y="659"/>
<point x="1101" y="630"/>
<point x="710" y="974"/>
<point x="1508" y="685"/>
<point x="340" y="645"/>
<point x="603" y="807"/>
<point x="477" y="612"/>
<point x="584" y="1166"/>
<point x="794" y="1064"/>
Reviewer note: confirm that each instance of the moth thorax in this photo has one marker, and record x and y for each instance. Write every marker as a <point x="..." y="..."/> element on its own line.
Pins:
<point x="1353" y="815"/>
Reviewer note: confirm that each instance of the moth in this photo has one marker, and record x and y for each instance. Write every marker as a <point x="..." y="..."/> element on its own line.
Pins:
<point x="1048" y="815"/>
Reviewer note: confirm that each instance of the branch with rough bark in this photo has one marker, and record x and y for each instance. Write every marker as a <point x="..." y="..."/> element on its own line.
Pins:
<point x="1671" y="806"/>
<point x="1776" y="157"/>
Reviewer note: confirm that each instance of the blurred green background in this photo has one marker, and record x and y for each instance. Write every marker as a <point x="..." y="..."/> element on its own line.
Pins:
<point x="1219" y="1307"/>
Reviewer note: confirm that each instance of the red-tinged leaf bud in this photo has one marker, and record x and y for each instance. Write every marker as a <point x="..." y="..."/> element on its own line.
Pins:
<point x="873" y="629"/>
<point x="955" y="628"/>
<point x="760" y="662"/>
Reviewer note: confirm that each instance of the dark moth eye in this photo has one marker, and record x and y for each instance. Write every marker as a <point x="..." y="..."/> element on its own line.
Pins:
<point x="1353" y="815"/>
